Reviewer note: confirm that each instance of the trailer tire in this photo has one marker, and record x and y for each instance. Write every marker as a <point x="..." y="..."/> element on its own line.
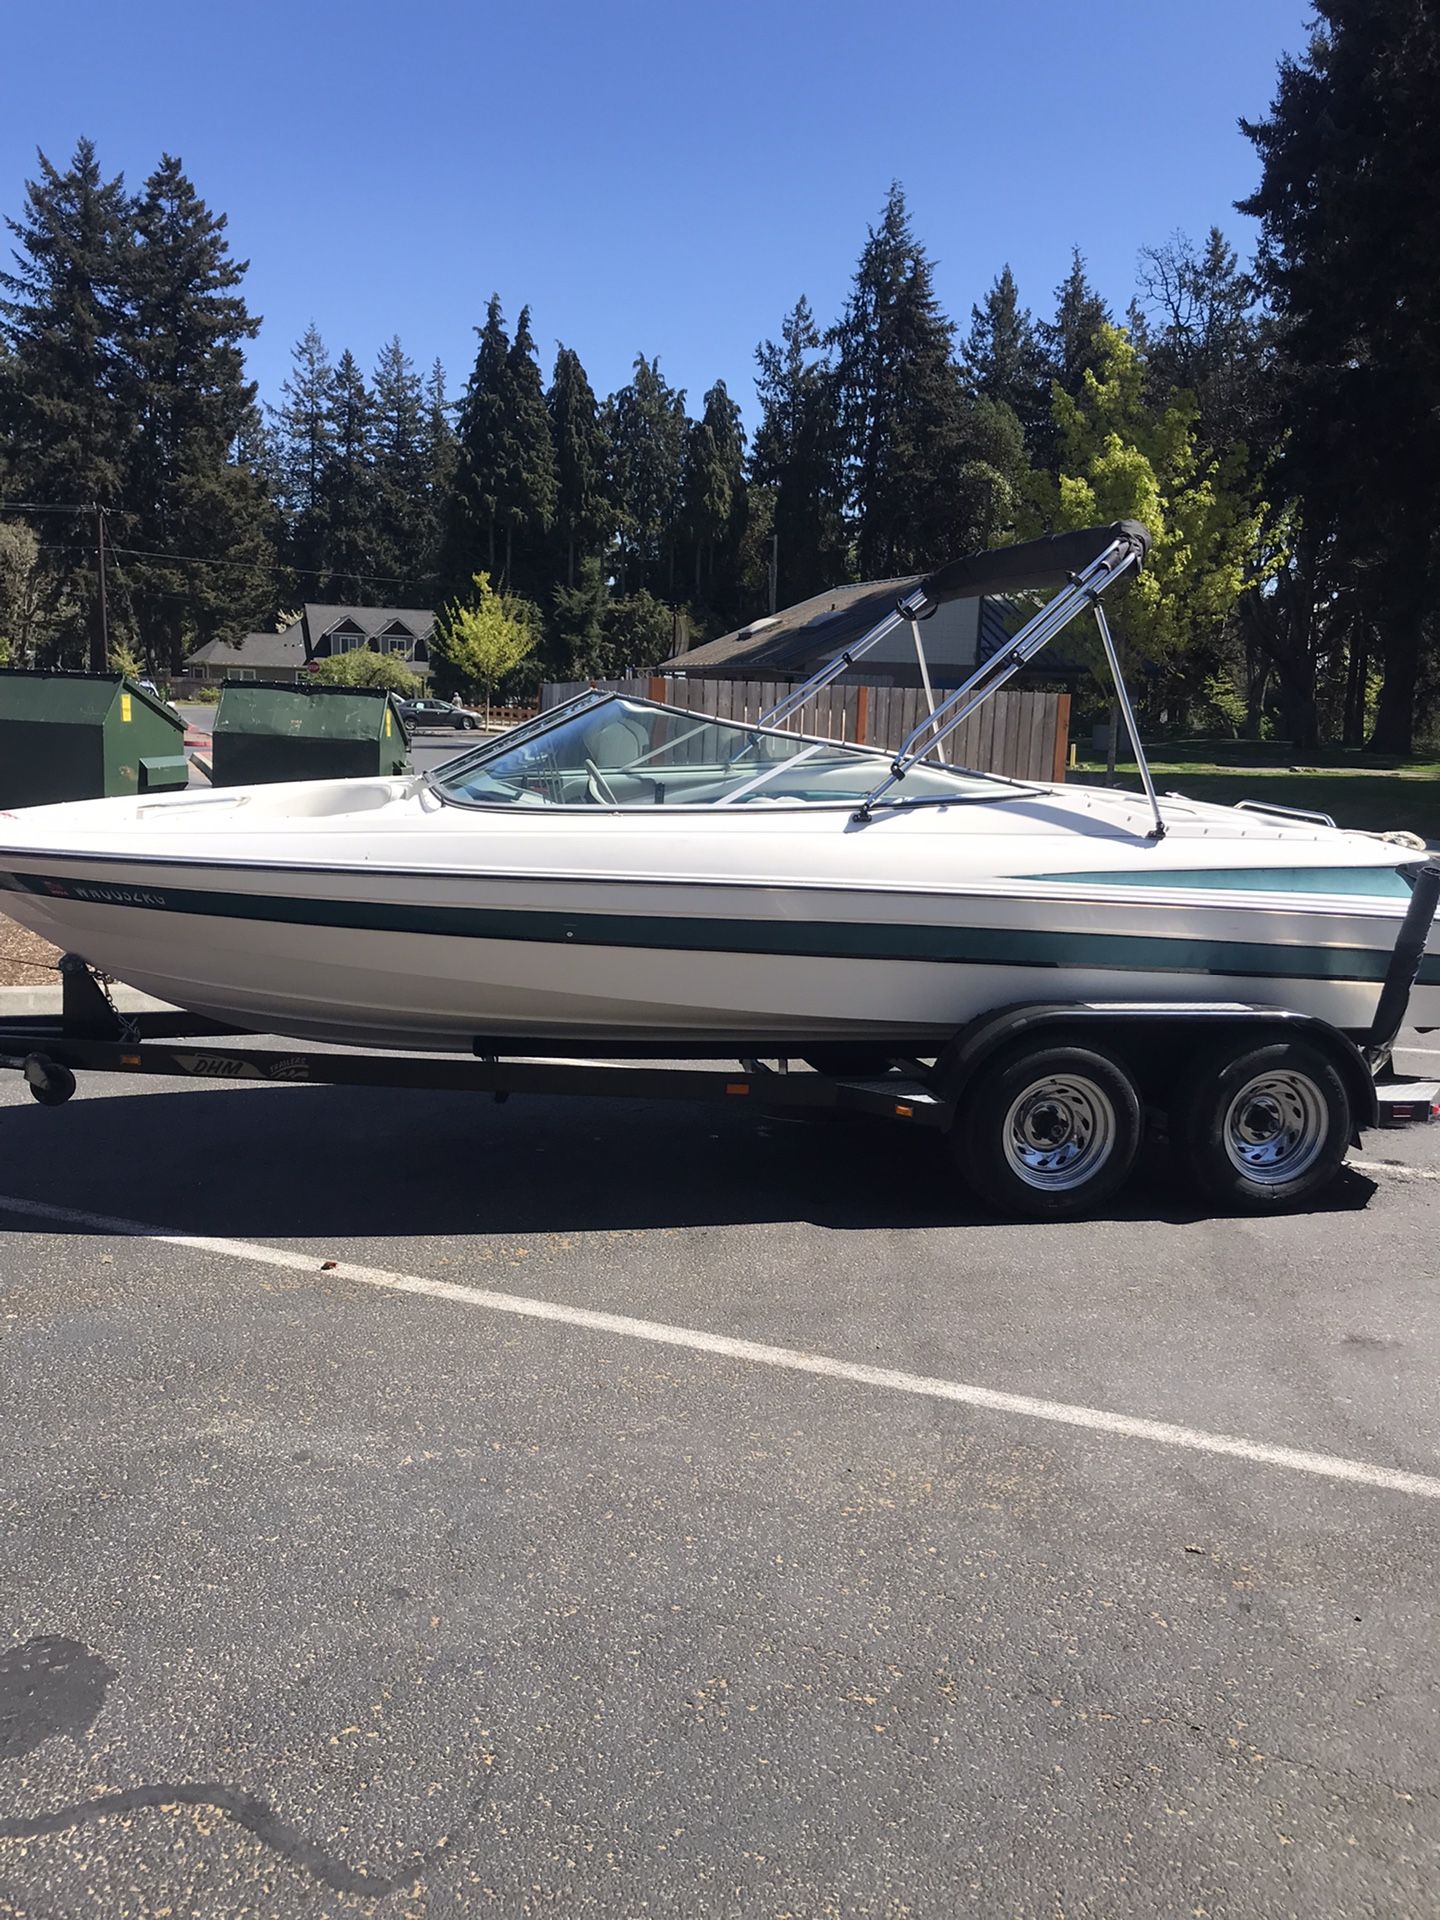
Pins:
<point x="57" y="1088"/>
<point x="1048" y="1132"/>
<point x="1265" y="1127"/>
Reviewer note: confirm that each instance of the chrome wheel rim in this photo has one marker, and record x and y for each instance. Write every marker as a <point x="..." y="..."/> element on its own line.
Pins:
<point x="1059" y="1133"/>
<point x="1275" y="1128"/>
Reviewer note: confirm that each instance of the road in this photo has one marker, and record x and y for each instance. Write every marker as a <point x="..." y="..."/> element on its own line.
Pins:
<point x="577" y="1508"/>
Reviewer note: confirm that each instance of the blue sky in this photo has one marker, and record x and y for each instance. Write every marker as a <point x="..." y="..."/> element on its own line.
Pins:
<point x="656" y="177"/>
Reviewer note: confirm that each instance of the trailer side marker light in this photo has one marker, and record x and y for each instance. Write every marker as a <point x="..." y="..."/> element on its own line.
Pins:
<point x="738" y="1086"/>
<point x="904" y="1113"/>
<point x="129" y="1059"/>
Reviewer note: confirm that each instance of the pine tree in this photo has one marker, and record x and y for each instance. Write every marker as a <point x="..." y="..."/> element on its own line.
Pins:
<point x="190" y="492"/>
<point x="348" y="491"/>
<point x="526" y="503"/>
<point x="647" y="426"/>
<point x="908" y="430"/>
<point x="714" y="498"/>
<point x="796" y="458"/>
<point x="1070" y="338"/>
<point x="1004" y="359"/>
<point x="1349" y="209"/>
<point x="442" y="455"/>
<point x="67" y="396"/>
<point x="401" y="479"/>
<point x="582" y="456"/>
<point x="483" y="455"/>
<point x="303" y="440"/>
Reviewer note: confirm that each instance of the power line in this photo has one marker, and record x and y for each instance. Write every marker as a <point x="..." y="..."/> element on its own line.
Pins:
<point x="251" y="566"/>
<point x="44" y="506"/>
<point x="280" y="570"/>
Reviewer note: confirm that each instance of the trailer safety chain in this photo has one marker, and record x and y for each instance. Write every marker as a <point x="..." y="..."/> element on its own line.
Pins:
<point x="127" y="1023"/>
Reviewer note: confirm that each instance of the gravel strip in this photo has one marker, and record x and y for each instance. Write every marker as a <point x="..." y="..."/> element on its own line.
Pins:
<point x="25" y="959"/>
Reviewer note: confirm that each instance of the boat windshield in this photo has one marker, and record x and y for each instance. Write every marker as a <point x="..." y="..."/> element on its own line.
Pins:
<point x="632" y="753"/>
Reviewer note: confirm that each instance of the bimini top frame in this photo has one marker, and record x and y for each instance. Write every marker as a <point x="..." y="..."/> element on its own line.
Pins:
<point x="1082" y="565"/>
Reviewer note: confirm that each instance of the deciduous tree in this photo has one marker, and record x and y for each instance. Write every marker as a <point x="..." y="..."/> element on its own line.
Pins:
<point x="483" y="638"/>
<point x="1122" y="458"/>
<point x="365" y="667"/>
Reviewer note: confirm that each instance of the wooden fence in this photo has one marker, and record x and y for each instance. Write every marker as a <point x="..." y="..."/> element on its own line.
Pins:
<point x="1023" y="735"/>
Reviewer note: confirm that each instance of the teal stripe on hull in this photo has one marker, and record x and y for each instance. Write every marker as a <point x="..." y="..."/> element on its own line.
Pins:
<point x="1378" y="883"/>
<point x="800" y="939"/>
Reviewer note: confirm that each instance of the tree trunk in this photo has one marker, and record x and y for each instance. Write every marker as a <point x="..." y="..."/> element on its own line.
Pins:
<point x="1357" y="674"/>
<point x="1395" y="715"/>
<point x="509" y="540"/>
<point x="1113" y="748"/>
<point x="1301" y="716"/>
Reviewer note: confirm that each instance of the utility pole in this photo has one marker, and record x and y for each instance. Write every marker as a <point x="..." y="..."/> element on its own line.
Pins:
<point x="99" y="665"/>
<point x="774" y="568"/>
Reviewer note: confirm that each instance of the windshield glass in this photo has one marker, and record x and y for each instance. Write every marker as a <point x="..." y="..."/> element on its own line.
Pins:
<point x="629" y="753"/>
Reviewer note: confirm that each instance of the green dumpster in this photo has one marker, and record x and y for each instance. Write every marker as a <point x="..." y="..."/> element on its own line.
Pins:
<point x="84" y="736"/>
<point x="267" y="731"/>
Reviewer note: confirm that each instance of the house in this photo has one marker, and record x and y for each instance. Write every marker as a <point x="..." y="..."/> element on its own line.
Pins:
<point x="790" y="645"/>
<point x="317" y="634"/>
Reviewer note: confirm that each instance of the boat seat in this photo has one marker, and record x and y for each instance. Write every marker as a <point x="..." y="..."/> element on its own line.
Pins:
<point x="610" y="749"/>
<point x="615" y="743"/>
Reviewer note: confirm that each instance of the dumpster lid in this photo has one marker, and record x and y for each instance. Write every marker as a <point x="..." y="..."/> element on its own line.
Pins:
<point x="28" y="693"/>
<point x="301" y="709"/>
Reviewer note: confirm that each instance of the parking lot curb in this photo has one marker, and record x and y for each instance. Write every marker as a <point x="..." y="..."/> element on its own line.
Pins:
<point x="47" y="1000"/>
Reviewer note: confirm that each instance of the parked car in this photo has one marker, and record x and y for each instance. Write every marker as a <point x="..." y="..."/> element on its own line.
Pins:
<point x="437" y="713"/>
<point x="150" y="687"/>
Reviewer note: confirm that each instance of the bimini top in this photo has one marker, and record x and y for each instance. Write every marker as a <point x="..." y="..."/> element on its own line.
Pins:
<point x="1032" y="564"/>
<point x="793" y="642"/>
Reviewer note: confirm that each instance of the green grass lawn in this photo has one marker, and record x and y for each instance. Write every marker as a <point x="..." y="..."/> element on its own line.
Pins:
<point x="1356" y="789"/>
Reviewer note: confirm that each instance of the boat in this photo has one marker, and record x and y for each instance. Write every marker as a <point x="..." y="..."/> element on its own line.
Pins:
<point x="622" y="872"/>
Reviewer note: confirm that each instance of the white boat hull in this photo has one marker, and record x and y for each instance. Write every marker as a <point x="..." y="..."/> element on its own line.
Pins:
<point x="433" y="961"/>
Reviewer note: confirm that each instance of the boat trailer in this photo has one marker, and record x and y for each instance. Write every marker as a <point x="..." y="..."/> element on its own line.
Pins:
<point x="1088" y="1063"/>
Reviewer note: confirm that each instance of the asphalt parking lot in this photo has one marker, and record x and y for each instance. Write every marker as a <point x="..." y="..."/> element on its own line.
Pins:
<point x="428" y="1507"/>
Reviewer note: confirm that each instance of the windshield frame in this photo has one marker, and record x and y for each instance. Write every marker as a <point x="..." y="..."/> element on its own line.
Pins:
<point x="476" y="757"/>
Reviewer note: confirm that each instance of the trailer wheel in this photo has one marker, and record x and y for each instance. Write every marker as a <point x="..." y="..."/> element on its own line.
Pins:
<point x="1048" y="1132"/>
<point x="58" y="1087"/>
<point x="1265" y="1127"/>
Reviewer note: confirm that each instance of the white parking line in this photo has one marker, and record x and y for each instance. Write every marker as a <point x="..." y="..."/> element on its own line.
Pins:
<point x="1326" y="1466"/>
<point x="1394" y="1169"/>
